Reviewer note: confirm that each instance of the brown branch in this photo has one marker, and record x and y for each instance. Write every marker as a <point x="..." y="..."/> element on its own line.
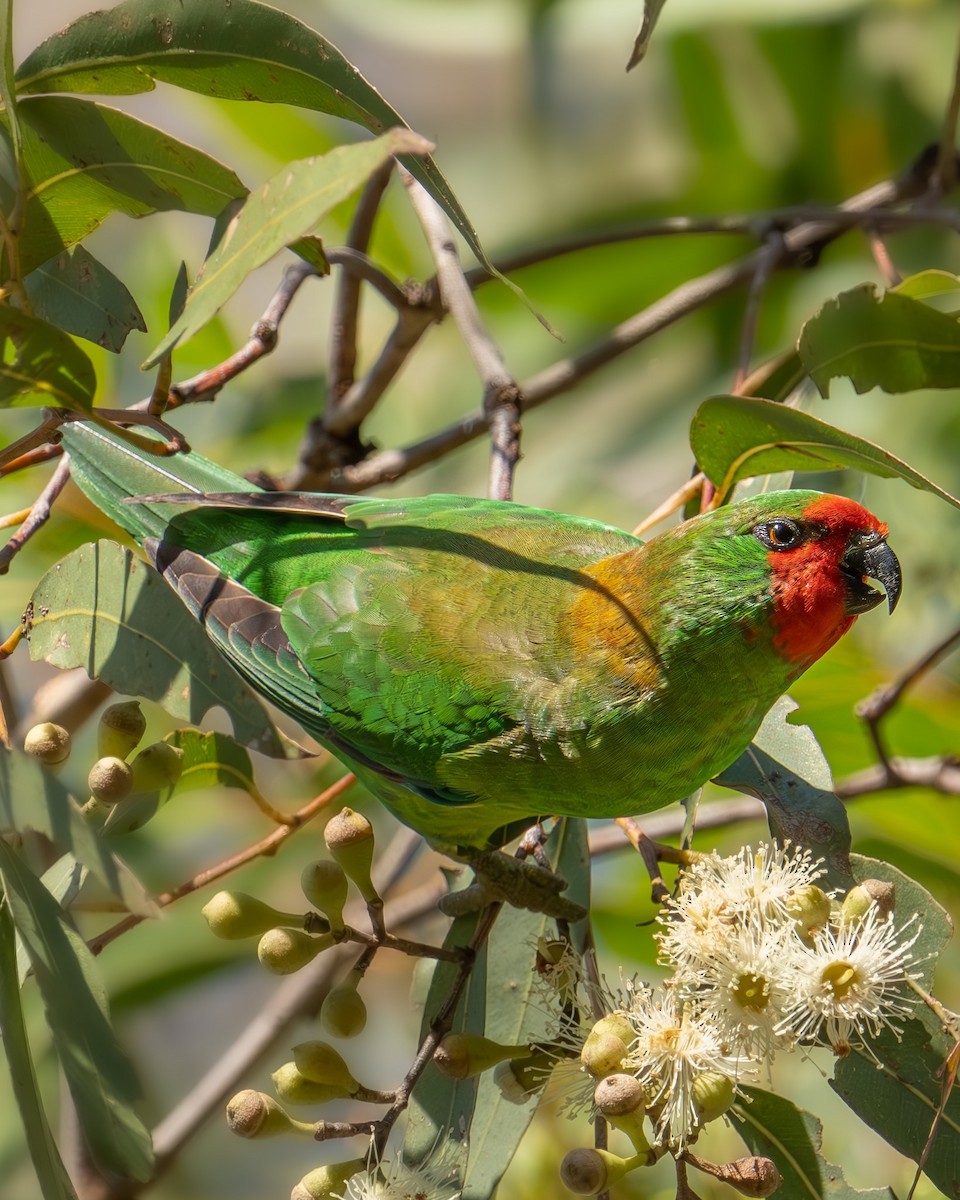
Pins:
<point x="502" y="399"/>
<point x="768" y="258"/>
<point x="940" y="773"/>
<point x="39" y="514"/>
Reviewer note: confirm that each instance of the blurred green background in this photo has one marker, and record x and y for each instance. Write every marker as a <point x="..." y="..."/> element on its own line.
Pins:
<point x="738" y="107"/>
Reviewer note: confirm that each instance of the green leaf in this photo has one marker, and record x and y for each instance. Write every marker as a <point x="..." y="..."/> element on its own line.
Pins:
<point x="286" y="207"/>
<point x="42" y="363"/>
<point x="105" y="610"/>
<point x="84" y="160"/>
<point x="100" y="1077"/>
<point x="500" y="1003"/>
<point x="32" y="798"/>
<point x="772" y="1126"/>
<point x="47" y="1163"/>
<point x="209" y="760"/>
<point x="888" y="340"/>
<point x="78" y="294"/>
<point x="240" y="51"/>
<point x="932" y="285"/>
<point x="63" y="881"/>
<point x="901" y="1097"/>
<point x="786" y="769"/>
<point x="735" y="437"/>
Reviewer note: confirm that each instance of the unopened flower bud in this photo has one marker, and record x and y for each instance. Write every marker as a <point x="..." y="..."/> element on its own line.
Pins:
<point x="461" y="1055"/>
<point x="343" y="1012"/>
<point x="320" y="1063"/>
<point x="253" y="1114"/>
<point x="349" y="838"/>
<point x="753" y="1176"/>
<point x="293" y="1087"/>
<point x="325" y="885"/>
<point x="234" y="915"/>
<point x="284" y="951"/>
<point x="156" y="767"/>
<point x="110" y="780"/>
<point x="622" y="1101"/>
<point x="48" y="743"/>
<point x="860" y="899"/>
<point x="327" y="1181"/>
<point x="121" y="729"/>
<point x="517" y="1079"/>
<point x="713" y="1095"/>
<point x="603" y="1051"/>
<point x="586" y="1172"/>
<point x="809" y="908"/>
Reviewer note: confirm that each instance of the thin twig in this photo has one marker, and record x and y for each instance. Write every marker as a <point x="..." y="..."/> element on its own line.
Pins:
<point x="945" y="172"/>
<point x="39" y="514"/>
<point x="767" y="260"/>
<point x="502" y="399"/>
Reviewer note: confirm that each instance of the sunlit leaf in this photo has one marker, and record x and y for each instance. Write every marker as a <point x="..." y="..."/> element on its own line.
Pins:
<point x="100" y="1076"/>
<point x="63" y="881"/>
<point x="105" y="610"/>
<point x="240" y="51"/>
<point x="735" y="437"/>
<point x="774" y="1127"/>
<point x="42" y="365"/>
<point x="887" y="340"/>
<point x="286" y="207"/>
<point x="77" y="293"/>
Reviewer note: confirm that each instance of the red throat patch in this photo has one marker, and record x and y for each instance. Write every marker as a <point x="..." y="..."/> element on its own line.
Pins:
<point x="808" y="585"/>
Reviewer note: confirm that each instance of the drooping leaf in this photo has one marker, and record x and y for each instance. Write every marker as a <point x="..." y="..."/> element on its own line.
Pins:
<point x="773" y="1126"/>
<point x="881" y="339"/>
<point x="32" y="798"/>
<point x="98" y="1073"/>
<point x="77" y="293"/>
<point x="105" y="610"/>
<point x="84" y="161"/>
<point x="286" y="207"/>
<point x="786" y="769"/>
<point x="501" y="1004"/>
<point x="63" y="881"/>
<point x="42" y="365"/>
<point x="51" y="1174"/>
<point x="735" y="437"/>
<point x="241" y="51"/>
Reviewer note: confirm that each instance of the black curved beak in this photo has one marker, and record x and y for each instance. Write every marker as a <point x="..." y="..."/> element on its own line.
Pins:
<point x="869" y="557"/>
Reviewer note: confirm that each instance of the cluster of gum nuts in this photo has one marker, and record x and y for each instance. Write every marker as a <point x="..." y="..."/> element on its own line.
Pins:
<point x="112" y="778"/>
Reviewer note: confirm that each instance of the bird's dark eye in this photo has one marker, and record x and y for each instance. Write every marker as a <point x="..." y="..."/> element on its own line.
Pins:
<point x="781" y="534"/>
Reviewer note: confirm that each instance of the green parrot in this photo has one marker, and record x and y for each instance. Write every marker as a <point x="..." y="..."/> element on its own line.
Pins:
<point x="479" y="663"/>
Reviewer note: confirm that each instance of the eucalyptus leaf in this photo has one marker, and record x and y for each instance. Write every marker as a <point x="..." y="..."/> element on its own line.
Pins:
<point x="287" y="206"/>
<point x="791" y="1137"/>
<point x="77" y="293"/>
<point x="735" y="437"/>
<point x="103" y="609"/>
<point x="33" y="798"/>
<point x="42" y="365"/>
<point x="84" y="161"/>
<point x="63" y="881"/>
<point x="240" y="51"/>
<point x="881" y="339"/>
<point x="98" y="1073"/>
<point x="51" y="1174"/>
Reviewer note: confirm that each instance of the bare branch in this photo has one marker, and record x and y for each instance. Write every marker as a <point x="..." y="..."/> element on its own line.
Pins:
<point x="945" y="172"/>
<point x="768" y="258"/>
<point x="39" y="514"/>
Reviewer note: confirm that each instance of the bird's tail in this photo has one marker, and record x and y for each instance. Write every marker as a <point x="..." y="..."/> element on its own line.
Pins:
<point x="116" y="475"/>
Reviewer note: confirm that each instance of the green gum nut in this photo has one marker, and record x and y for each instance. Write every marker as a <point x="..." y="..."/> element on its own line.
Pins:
<point x="713" y="1094"/>
<point x="587" y="1172"/>
<point x="48" y="743"/>
<point x="343" y="1012"/>
<point x="284" y="951"/>
<point x="518" y="1078"/>
<point x="461" y="1055"/>
<point x="328" y="1181"/>
<point x="294" y="1088"/>
<point x="868" y="894"/>
<point x="622" y="1101"/>
<point x="349" y="838"/>
<point x="110" y="780"/>
<point x="233" y="915"/>
<point x="121" y="729"/>
<point x="156" y="767"/>
<point x="252" y="1114"/>
<point x="320" y="1063"/>
<point x="324" y="884"/>
<point x="809" y="908"/>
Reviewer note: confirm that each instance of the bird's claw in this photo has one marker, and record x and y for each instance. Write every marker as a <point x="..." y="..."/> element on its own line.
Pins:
<point x="501" y="878"/>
